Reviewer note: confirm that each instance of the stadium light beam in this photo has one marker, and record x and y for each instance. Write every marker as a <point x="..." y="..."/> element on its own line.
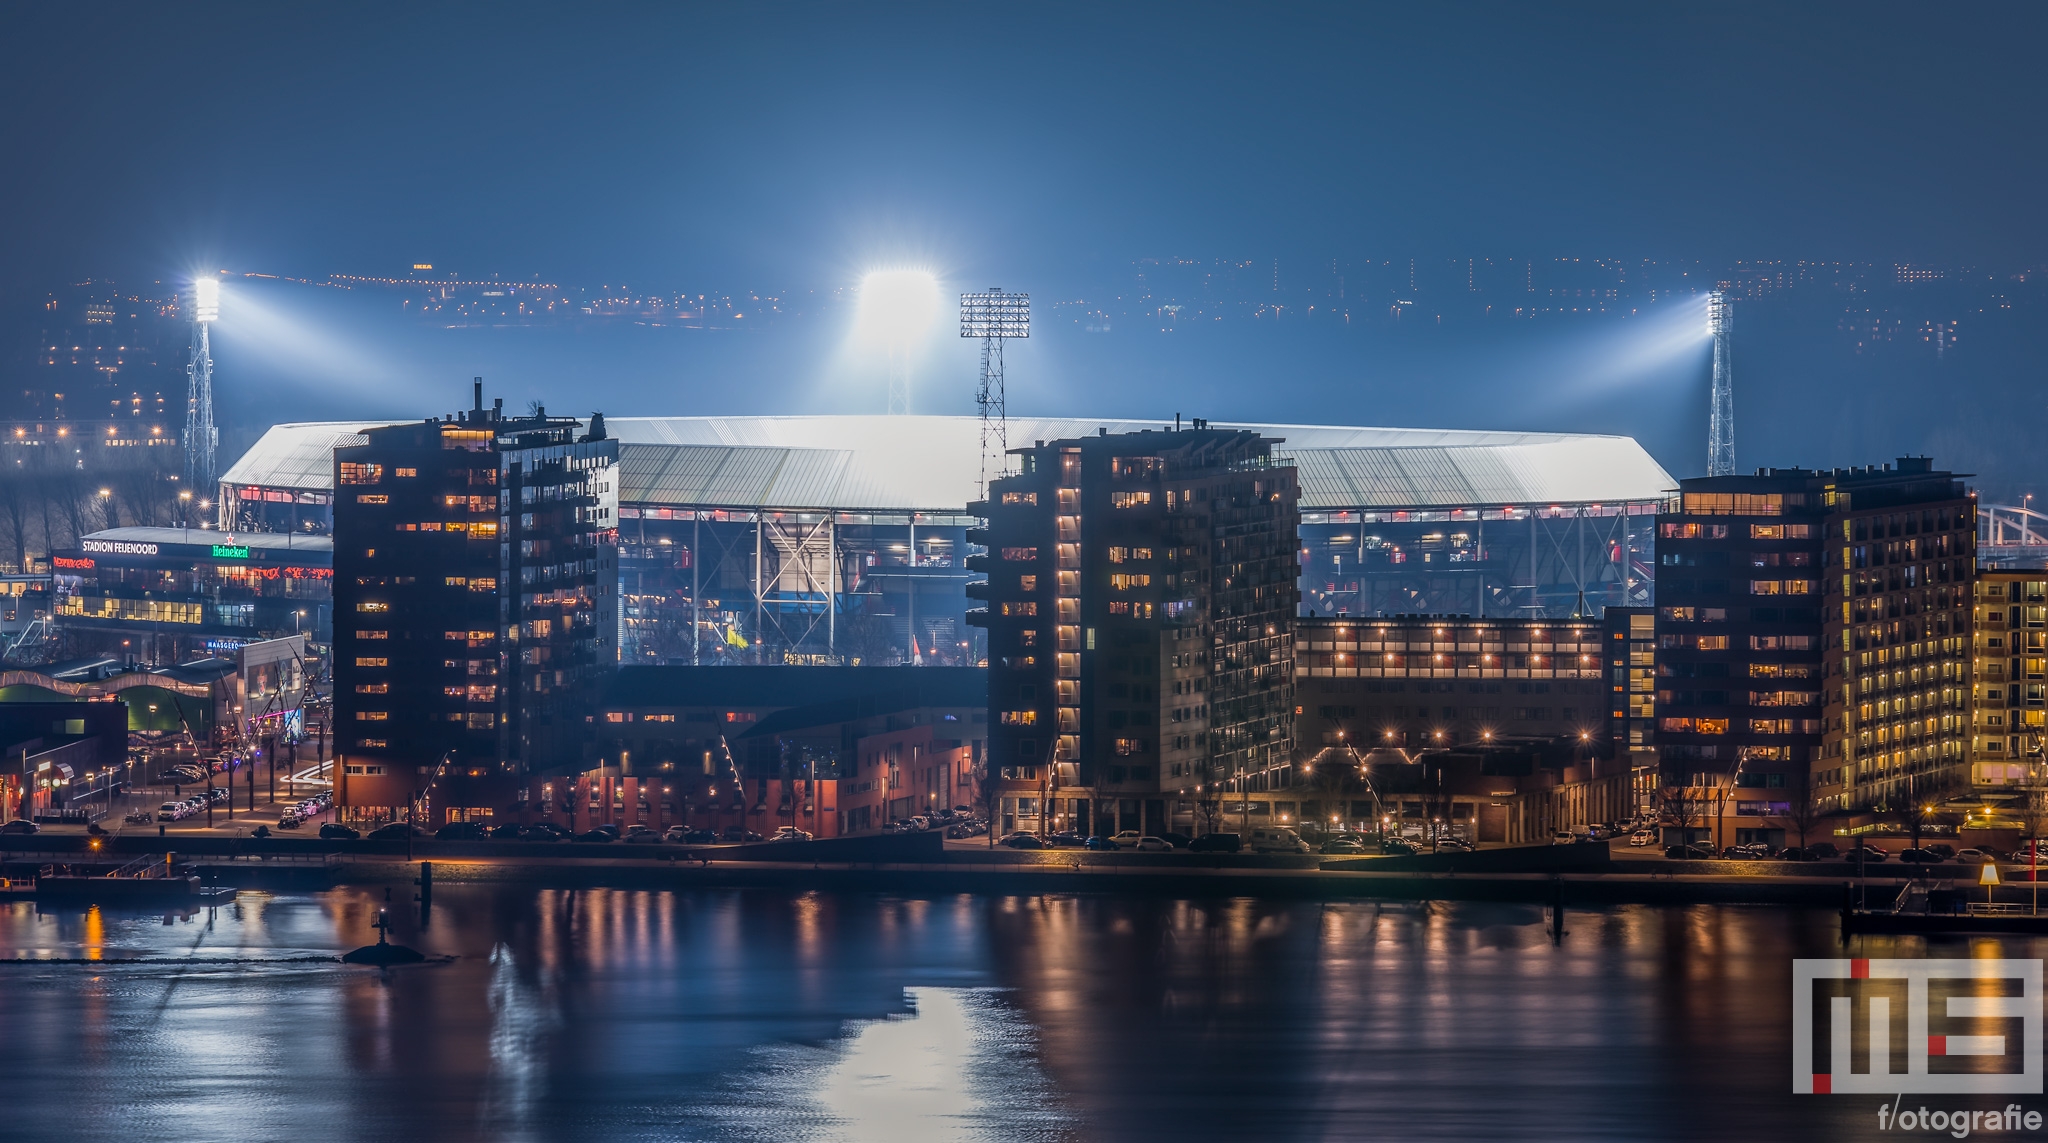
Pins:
<point x="1721" y="416"/>
<point x="201" y="438"/>
<point x="897" y="311"/>
<point x="206" y="299"/>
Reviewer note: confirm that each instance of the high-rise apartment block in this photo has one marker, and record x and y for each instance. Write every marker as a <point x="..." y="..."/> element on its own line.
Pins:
<point x="1141" y="594"/>
<point x="1814" y="627"/>
<point x="476" y="608"/>
<point x="2009" y="679"/>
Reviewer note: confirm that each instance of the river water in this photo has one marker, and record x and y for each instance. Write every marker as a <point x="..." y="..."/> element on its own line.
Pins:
<point x="763" y="1015"/>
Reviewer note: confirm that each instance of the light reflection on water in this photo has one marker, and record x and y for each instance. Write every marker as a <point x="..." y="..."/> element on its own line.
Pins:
<point x="624" y="1015"/>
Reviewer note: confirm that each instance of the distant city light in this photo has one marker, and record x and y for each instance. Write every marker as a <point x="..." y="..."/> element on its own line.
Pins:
<point x="206" y="299"/>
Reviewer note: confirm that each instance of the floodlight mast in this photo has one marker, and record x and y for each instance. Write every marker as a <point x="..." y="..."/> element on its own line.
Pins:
<point x="200" y="436"/>
<point x="1721" y="417"/>
<point x="994" y="316"/>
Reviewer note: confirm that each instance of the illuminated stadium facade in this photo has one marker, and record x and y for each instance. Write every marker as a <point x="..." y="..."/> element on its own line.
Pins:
<point x="844" y="539"/>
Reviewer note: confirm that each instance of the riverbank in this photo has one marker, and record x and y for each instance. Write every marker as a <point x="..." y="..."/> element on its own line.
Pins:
<point x="922" y="864"/>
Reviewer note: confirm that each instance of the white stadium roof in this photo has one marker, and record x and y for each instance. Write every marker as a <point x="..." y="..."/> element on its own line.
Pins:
<point x="932" y="464"/>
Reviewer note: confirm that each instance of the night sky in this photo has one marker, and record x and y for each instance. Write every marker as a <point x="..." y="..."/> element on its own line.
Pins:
<point x="1046" y="148"/>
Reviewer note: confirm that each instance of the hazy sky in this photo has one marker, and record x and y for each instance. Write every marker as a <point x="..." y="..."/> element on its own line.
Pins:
<point x="783" y="142"/>
<point x="1040" y="147"/>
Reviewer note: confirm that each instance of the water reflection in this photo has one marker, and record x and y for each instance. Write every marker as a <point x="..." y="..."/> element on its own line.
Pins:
<point x="621" y="1015"/>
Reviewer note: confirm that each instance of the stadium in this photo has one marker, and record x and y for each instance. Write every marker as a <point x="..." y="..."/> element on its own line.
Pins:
<point x="844" y="539"/>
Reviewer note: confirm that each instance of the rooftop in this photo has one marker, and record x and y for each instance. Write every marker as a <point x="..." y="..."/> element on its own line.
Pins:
<point x="932" y="463"/>
<point x="257" y="541"/>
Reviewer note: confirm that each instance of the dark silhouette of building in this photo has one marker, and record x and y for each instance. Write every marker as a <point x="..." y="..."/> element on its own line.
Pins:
<point x="1813" y="642"/>
<point x="1377" y="694"/>
<point x="476" y="608"/>
<point x="1141" y="591"/>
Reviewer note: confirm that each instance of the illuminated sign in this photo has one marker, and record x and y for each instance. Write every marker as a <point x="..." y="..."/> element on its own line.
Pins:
<point x="118" y="547"/>
<point x="68" y="562"/>
<point x="226" y="644"/>
<point x="227" y="552"/>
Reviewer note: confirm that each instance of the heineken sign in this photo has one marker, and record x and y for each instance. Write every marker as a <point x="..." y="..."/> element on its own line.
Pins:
<point x="230" y="552"/>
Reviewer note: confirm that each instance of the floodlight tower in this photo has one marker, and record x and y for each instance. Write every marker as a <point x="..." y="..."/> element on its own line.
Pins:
<point x="994" y="317"/>
<point x="1721" y="419"/>
<point x="200" y="437"/>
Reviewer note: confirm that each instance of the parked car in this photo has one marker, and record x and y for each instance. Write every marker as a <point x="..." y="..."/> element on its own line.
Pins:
<point x="508" y="831"/>
<point x="641" y="835"/>
<point x="1277" y="840"/>
<point x="1216" y="843"/>
<point x="1397" y="847"/>
<point x="700" y="837"/>
<point x="740" y="834"/>
<point x="1338" y="845"/>
<point x="460" y="831"/>
<point x="1022" y="841"/>
<point x="1125" y="838"/>
<point x="1176" y="840"/>
<point x="1065" y="839"/>
<point x="1869" y="852"/>
<point x="1973" y="856"/>
<point x="543" y="831"/>
<point x="1941" y="847"/>
<point x="139" y="817"/>
<point x="335" y="831"/>
<point x="20" y="826"/>
<point x="396" y="831"/>
<point x="1910" y="856"/>
<point x="791" y="833"/>
<point x="1823" y="851"/>
<point x="1454" y="845"/>
<point x="170" y="811"/>
<point x="1100" y="843"/>
<point x="599" y="836"/>
<point x="1148" y="844"/>
<point x="1751" y="851"/>
<point x="290" y="821"/>
<point x="1689" y="852"/>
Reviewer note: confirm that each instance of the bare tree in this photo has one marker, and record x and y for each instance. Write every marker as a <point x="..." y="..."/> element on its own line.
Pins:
<point x="1685" y="804"/>
<point x="2033" y="811"/>
<point x="1803" y="809"/>
<point x="16" y="503"/>
<point x="988" y="791"/>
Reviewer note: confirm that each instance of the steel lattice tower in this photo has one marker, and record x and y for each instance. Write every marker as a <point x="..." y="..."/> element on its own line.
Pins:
<point x="1721" y="419"/>
<point x="200" y="436"/>
<point x="994" y="317"/>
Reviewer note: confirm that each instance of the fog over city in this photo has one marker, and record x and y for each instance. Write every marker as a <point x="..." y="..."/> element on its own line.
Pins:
<point x="1358" y="217"/>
